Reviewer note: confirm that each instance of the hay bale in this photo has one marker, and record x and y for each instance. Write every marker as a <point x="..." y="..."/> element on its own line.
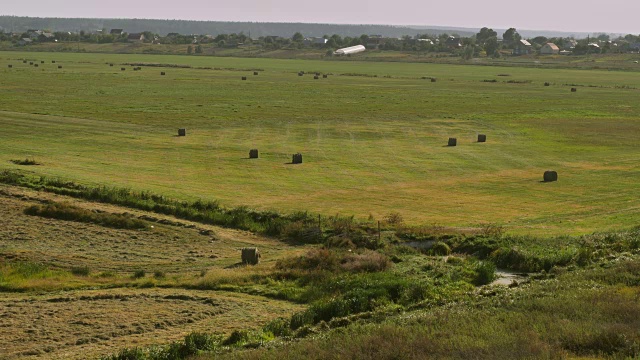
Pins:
<point x="550" y="175"/>
<point x="24" y="61"/>
<point x="300" y="73"/>
<point x="182" y="132"/>
<point x="317" y="74"/>
<point x="574" y="89"/>
<point x="111" y="65"/>
<point x="433" y="80"/>
<point x="10" y="66"/>
<point x="30" y="62"/>
<point x="162" y="73"/>
<point x="253" y="154"/>
<point x="244" y="78"/>
<point x="250" y="256"/>
<point x="35" y="65"/>
<point x="452" y="142"/>
<point x="325" y="76"/>
<point x="255" y="73"/>
<point x="297" y="159"/>
<point x="53" y="61"/>
<point x="482" y="138"/>
<point x="42" y="62"/>
<point x="123" y="69"/>
<point x="59" y="66"/>
<point x="316" y="77"/>
<point x="547" y="84"/>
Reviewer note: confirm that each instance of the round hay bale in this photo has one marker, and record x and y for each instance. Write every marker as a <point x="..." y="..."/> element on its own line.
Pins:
<point x="433" y="80"/>
<point x="42" y="62"/>
<point x="255" y="73"/>
<point x="162" y="73"/>
<point x="316" y="77"/>
<point x="253" y="154"/>
<point x="297" y="159"/>
<point x="59" y="66"/>
<point x="53" y="61"/>
<point x="10" y="66"/>
<point x="111" y="65"/>
<point x="574" y="89"/>
<point x="547" y="84"/>
<point x="123" y="69"/>
<point x="300" y="73"/>
<point x="30" y="62"/>
<point x="250" y="256"/>
<point x="325" y="76"/>
<point x="182" y="132"/>
<point x="317" y="74"/>
<point x="244" y="78"/>
<point x="550" y="176"/>
<point x="35" y="65"/>
<point x="24" y="61"/>
<point x="482" y="138"/>
<point x="452" y="142"/>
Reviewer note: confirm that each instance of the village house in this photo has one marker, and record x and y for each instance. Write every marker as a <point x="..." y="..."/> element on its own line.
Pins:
<point x="116" y="32"/>
<point x="522" y="47"/>
<point x="136" y="37"/>
<point x="453" y="42"/>
<point x="549" y="49"/>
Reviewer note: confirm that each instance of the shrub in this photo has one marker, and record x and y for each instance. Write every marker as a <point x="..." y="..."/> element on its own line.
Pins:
<point x="159" y="274"/>
<point x="278" y="327"/>
<point x="440" y="248"/>
<point x="65" y="211"/>
<point x="237" y="337"/>
<point x="80" y="271"/>
<point x="485" y="273"/>
<point x="138" y="274"/>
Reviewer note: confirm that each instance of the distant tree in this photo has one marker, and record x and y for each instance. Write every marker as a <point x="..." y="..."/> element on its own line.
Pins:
<point x="491" y="46"/>
<point x="297" y="37"/>
<point x="485" y="34"/>
<point x="540" y="40"/>
<point x="603" y="37"/>
<point x="468" y="51"/>
<point x="511" y="37"/>
<point x="189" y="49"/>
<point x="199" y="49"/>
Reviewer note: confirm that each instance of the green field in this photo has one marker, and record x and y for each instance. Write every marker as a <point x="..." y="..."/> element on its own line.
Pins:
<point x="373" y="136"/>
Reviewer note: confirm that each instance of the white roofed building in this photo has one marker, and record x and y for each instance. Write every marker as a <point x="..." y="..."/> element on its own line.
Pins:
<point x="350" y="50"/>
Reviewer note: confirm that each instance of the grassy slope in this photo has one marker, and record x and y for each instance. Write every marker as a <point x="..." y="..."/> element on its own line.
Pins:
<point x="371" y="145"/>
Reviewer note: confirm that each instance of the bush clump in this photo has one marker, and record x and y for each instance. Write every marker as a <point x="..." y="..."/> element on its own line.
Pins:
<point x="65" y="211"/>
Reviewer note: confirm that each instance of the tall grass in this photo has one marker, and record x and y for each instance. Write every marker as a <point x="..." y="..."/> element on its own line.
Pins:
<point x="65" y="211"/>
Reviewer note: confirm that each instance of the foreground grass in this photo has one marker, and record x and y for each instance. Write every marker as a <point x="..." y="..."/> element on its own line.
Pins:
<point x="372" y="136"/>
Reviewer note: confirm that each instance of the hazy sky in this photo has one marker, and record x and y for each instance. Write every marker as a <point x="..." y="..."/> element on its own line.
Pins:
<point x="618" y="16"/>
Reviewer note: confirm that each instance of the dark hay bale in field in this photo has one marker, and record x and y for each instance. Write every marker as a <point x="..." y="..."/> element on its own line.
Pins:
<point x="547" y="84"/>
<point x="433" y="80"/>
<point x="317" y="74"/>
<point x="250" y="256"/>
<point x="297" y="159"/>
<point x="162" y="73"/>
<point x="253" y="154"/>
<point x="316" y="77"/>
<point x="24" y="61"/>
<point x="482" y="138"/>
<point x="123" y="69"/>
<point x="10" y="66"/>
<point x="300" y="73"/>
<point x="574" y="89"/>
<point x="53" y="61"/>
<point x="111" y="65"/>
<point x="550" y="176"/>
<point x="42" y="62"/>
<point x="452" y="142"/>
<point x="255" y="73"/>
<point x="30" y="62"/>
<point x="244" y="78"/>
<point x="325" y="76"/>
<point x="182" y="132"/>
<point x="35" y="65"/>
<point x="59" y="66"/>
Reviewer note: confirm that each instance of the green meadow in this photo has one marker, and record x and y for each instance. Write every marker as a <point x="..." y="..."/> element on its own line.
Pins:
<point x="373" y="136"/>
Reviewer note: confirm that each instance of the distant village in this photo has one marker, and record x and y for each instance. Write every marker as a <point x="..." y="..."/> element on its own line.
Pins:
<point x="486" y="42"/>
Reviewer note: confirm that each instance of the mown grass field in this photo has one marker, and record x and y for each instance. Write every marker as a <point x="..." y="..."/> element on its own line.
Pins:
<point x="372" y="135"/>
